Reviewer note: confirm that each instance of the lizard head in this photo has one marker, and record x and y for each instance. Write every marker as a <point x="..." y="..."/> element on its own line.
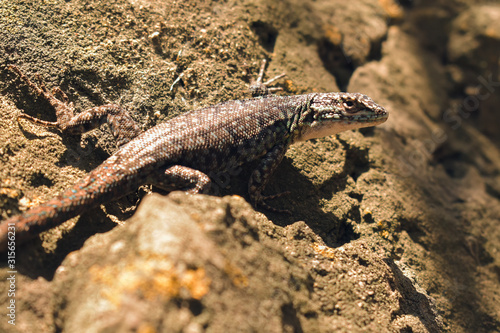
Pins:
<point x="332" y="113"/>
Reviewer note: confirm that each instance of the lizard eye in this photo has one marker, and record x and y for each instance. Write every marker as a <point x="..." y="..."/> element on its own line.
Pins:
<point x="349" y="105"/>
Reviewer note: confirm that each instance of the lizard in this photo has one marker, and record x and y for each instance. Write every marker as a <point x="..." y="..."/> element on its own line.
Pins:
<point x="181" y="153"/>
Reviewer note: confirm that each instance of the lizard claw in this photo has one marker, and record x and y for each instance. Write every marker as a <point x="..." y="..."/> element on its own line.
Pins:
<point x="274" y="196"/>
<point x="259" y="88"/>
<point x="261" y="201"/>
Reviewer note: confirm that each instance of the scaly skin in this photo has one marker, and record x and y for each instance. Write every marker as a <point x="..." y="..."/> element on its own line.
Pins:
<point x="186" y="151"/>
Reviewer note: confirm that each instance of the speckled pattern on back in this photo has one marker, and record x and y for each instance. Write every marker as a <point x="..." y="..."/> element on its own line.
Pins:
<point x="183" y="152"/>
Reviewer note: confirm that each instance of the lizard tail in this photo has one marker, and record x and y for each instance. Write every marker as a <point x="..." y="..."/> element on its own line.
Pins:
<point x="89" y="192"/>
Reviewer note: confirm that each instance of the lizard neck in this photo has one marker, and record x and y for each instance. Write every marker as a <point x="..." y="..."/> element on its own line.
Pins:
<point x="301" y="118"/>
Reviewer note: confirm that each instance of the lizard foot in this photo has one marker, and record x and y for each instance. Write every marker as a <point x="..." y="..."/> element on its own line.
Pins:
<point x="260" y="200"/>
<point x="259" y="88"/>
<point x="123" y="126"/>
<point x="62" y="106"/>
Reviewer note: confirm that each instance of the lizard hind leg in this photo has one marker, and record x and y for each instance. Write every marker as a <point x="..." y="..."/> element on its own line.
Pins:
<point x="64" y="110"/>
<point x="122" y="125"/>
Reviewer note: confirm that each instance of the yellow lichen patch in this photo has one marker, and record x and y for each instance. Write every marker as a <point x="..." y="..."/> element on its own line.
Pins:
<point x="146" y="328"/>
<point x="9" y="192"/>
<point x="324" y="250"/>
<point x="150" y="279"/>
<point x="383" y="226"/>
<point x="163" y="282"/>
<point x="236" y="275"/>
<point x="492" y="33"/>
<point x="289" y="86"/>
<point x="392" y="9"/>
<point x="384" y="234"/>
<point x="332" y="34"/>
<point x="195" y="216"/>
<point x="196" y="282"/>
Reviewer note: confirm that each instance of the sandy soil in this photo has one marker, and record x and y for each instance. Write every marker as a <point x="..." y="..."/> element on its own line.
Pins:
<point x="394" y="228"/>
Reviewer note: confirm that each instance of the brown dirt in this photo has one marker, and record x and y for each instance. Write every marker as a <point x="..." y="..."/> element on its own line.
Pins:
<point x="392" y="229"/>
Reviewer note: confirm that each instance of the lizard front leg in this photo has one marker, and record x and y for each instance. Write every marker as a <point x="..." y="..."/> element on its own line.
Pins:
<point x="123" y="127"/>
<point x="260" y="177"/>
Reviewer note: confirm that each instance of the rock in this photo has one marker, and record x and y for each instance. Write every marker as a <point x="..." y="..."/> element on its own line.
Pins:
<point x="475" y="45"/>
<point x="474" y="39"/>
<point x="195" y="263"/>
<point x="385" y="222"/>
<point x="182" y="263"/>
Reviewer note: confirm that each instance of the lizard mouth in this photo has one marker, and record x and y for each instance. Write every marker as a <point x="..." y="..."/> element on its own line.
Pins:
<point x="368" y="117"/>
<point x="334" y="123"/>
<point x="364" y="116"/>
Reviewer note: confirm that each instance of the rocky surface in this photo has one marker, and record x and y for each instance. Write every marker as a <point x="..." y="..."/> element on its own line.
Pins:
<point x="392" y="229"/>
